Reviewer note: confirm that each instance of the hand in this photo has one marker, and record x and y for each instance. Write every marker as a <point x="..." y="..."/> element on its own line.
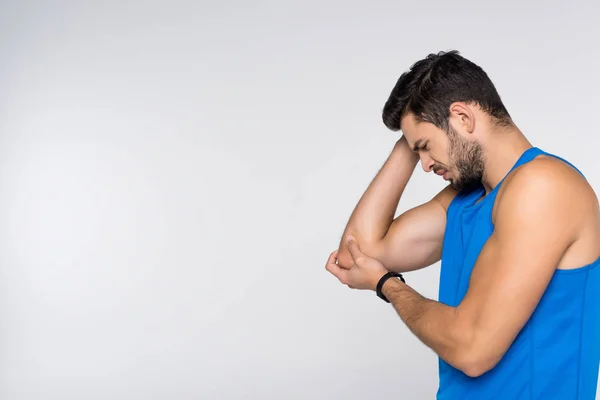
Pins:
<point x="403" y="147"/>
<point x="364" y="274"/>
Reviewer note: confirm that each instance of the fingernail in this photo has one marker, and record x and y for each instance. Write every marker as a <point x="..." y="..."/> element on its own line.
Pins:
<point x="349" y="238"/>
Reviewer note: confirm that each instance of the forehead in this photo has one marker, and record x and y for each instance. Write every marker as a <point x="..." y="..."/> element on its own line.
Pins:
<point x="408" y="124"/>
<point x="416" y="132"/>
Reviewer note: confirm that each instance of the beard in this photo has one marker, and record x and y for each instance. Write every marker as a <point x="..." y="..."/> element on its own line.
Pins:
<point x="467" y="159"/>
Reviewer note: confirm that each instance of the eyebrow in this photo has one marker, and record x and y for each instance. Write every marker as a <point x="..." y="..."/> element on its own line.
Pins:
<point x="417" y="145"/>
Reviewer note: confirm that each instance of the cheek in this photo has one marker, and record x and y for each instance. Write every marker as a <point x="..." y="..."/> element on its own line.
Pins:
<point x="442" y="160"/>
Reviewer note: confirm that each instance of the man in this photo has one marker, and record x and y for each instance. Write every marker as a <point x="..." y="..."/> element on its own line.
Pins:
<point x="517" y="231"/>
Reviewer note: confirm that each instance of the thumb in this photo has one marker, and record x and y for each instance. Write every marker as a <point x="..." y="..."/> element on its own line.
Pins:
<point x="353" y="247"/>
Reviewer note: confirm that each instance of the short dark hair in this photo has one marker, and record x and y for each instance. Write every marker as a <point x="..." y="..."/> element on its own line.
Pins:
<point x="432" y="84"/>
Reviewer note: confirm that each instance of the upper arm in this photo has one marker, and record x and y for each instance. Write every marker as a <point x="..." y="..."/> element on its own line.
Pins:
<point x="534" y="226"/>
<point x="415" y="238"/>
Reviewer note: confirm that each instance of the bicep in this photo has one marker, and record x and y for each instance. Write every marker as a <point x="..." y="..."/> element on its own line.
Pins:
<point x="506" y="284"/>
<point x="415" y="238"/>
<point x="515" y="266"/>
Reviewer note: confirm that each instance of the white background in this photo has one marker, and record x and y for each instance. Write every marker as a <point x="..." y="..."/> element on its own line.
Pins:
<point x="173" y="176"/>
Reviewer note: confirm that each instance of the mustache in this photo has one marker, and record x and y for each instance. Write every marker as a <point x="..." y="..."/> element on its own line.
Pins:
<point x="438" y="167"/>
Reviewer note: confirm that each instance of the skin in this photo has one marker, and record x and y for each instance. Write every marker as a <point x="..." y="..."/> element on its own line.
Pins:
<point x="520" y="257"/>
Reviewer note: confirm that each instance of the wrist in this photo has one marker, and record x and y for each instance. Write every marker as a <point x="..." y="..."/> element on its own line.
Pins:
<point x="387" y="284"/>
<point x="401" y="146"/>
<point x="390" y="285"/>
<point x="402" y="141"/>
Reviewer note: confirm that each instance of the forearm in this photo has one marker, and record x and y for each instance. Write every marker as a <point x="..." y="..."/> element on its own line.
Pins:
<point x="437" y="325"/>
<point x="375" y="210"/>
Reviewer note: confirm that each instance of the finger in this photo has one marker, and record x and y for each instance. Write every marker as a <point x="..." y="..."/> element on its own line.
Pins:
<point x="354" y="249"/>
<point x="333" y="257"/>
<point x="336" y="270"/>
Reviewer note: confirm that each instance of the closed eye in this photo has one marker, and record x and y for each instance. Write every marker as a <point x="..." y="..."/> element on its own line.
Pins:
<point x="421" y="145"/>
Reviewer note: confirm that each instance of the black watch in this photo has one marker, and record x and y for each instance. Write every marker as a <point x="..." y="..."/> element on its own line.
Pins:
<point x="384" y="278"/>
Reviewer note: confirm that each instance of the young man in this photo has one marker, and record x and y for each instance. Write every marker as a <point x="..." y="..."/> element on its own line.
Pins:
<point x="517" y="231"/>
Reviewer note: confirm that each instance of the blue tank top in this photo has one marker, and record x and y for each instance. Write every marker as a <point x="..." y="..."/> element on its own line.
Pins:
<point x="556" y="354"/>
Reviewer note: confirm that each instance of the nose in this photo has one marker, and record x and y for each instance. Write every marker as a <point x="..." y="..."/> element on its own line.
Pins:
<point x="426" y="163"/>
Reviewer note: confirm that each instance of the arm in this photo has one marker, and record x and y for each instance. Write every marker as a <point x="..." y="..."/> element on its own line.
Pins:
<point x="411" y="241"/>
<point x="519" y="258"/>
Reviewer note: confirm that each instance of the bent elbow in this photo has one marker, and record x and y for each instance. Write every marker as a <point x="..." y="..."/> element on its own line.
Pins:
<point x="476" y="351"/>
<point x="474" y="369"/>
<point x="344" y="258"/>
<point x="476" y="362"/>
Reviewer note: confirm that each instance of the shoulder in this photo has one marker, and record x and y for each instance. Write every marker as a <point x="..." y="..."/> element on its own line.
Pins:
<point x="545" y="187"/>
<point x="544" y="175"/>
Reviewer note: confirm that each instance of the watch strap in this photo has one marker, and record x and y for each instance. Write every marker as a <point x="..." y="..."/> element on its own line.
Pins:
<point x="383" y="279"/>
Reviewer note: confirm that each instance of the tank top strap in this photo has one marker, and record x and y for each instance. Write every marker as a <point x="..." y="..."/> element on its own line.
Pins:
<point x="532" y="153"/>
<point x="527" y="156"/>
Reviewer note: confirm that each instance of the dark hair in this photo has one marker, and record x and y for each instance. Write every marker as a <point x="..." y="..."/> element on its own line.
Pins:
<point x="432" y="84"/>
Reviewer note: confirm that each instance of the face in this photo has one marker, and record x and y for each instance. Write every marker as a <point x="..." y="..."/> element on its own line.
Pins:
<point x="458" y="160"/>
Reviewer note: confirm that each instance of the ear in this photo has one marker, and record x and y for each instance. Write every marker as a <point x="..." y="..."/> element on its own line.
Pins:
<point x="463" y="117"/>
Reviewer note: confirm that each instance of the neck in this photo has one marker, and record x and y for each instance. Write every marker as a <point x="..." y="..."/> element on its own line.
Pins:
<point x="502" y="151"/>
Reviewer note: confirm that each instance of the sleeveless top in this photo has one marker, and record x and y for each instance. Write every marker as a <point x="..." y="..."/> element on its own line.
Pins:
<point x="556" y="354"/>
